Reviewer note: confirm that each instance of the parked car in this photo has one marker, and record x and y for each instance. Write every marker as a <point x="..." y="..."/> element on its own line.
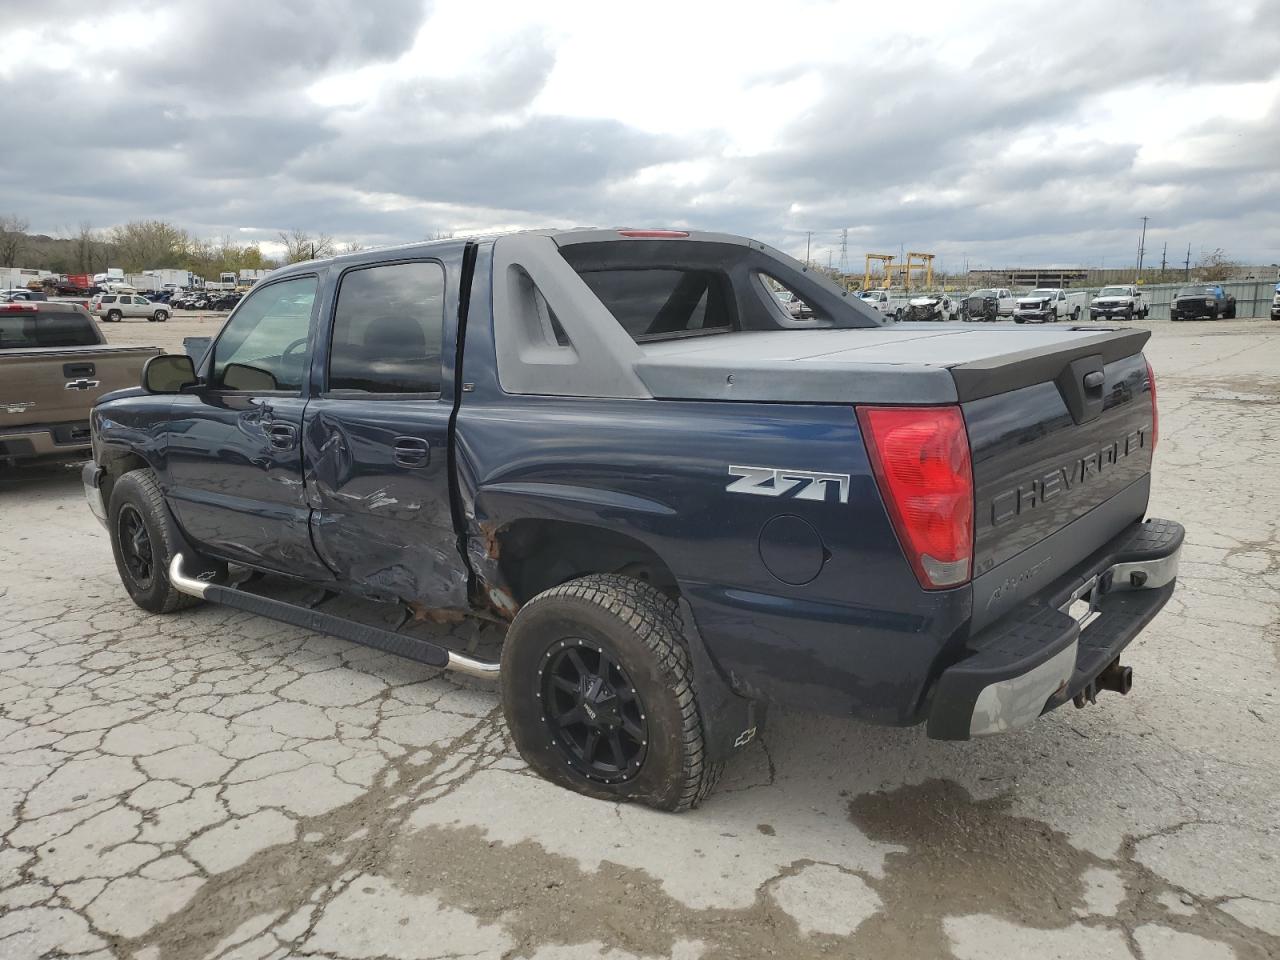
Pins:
<point x="1122" y="302"/>
<point x="932" y="306"/>
<point x="22" y="295"/>
<point x="886" y="303"/>
<point x="682" y="506"/>
<point x="1275" y="304"/>
<point x="989" y="303"/>
<point x="1048" y="305"/>
<point x="54" y="363"/>
<point x="1207" y="301"/>
<point x="114" y="307"/>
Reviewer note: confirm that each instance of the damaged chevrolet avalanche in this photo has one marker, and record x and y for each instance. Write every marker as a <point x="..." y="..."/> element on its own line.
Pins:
<point x="683" y="502"/>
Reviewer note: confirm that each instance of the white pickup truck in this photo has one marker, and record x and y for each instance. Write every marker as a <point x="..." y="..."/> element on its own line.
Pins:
<point x="1048" y="305"/>
<point x="886" y="302"/>
<point x="1119" y="303"/>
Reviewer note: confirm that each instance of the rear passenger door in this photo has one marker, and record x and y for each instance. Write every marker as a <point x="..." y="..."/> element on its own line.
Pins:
<point x="376" y="437"/>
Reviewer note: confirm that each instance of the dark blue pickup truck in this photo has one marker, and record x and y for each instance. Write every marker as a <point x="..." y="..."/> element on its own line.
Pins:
<point x="684" y="502"/>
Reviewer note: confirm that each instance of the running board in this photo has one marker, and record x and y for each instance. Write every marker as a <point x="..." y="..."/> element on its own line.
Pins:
<point x="410" y="648"/>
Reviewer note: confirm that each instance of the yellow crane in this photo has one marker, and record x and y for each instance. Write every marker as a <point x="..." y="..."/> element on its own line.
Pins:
<point x="918" y="267"/>
<point x="886" y="262"/>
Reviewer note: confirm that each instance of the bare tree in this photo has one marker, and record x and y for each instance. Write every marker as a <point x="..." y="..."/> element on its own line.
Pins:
<point x="13" y="238"/>
<point x="300" y="245"/>
<point x="352" y="246"/>
<point x="147" y="244"/>
<point x="1215" y="266"/>
<point x="92" y="249"/>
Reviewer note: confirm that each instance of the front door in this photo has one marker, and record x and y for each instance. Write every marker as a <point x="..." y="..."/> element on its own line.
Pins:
<point x="234" y="446"/>
<point x="376" y="439"/>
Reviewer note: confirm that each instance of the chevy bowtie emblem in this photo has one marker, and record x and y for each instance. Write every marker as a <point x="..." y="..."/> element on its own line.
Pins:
<point x="81" y="384"/>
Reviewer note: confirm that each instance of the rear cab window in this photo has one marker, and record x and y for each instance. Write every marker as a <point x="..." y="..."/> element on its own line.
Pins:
<point x="665" y="304"/>
<point x="675" y="289"/>
<point x="46" y="329"/>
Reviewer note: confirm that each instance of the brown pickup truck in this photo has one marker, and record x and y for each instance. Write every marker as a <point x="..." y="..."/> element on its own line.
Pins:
<point x="54" y="364"/>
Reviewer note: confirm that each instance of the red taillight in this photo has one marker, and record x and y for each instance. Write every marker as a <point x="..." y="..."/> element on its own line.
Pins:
<point x="653" y="234"/>
<point x="18" y="307"/>
<point x="1155" y="408"/>
<point x="920" y="456"/>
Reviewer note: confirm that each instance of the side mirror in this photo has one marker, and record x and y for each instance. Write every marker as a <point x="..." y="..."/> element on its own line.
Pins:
<point x="168" y="373"/>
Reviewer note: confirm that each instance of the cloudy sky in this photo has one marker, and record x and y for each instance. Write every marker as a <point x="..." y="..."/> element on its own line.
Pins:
<point x="988" y="132"/>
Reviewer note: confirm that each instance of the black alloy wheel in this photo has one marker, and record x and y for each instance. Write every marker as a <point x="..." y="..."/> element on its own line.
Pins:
<point x="592" y="711"/>
<point x="135" y="546"/>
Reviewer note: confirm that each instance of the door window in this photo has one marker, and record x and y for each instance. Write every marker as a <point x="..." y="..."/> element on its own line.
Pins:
<point x="264" y="344"/>
<point x="387" y="329"/>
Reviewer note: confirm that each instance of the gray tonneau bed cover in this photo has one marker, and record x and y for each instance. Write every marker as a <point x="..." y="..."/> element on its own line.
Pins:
<point x="907" y="363"/>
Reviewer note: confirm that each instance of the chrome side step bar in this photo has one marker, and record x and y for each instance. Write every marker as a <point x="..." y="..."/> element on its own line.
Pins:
<point x="422" y="651"/>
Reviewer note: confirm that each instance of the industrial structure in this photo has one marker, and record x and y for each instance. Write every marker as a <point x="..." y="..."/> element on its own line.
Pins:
<point x="917" y="267"/>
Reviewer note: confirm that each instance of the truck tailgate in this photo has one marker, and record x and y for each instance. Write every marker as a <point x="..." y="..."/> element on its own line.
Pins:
<point x="48" y="385"/>
<point x="1061" y="464"/>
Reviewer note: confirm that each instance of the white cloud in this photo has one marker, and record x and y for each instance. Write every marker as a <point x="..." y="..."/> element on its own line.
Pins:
<point x="1005" y="131"/>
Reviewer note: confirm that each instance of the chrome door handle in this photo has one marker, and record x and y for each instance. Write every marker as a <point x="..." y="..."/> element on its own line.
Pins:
<point x="412" y="452"/>
<point x="282" y="436"/>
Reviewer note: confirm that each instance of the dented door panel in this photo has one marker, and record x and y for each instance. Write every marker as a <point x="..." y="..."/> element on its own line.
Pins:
<point x="382" y="520"/>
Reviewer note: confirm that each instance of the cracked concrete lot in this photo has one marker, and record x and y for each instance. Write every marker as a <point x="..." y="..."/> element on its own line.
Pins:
<point x="215" y="785"/>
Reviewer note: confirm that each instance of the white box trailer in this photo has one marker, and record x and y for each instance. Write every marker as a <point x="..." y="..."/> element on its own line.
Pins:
<point x="168" y="277"/>
<point x="19" y="278"/>
<point x="142" y="282"/>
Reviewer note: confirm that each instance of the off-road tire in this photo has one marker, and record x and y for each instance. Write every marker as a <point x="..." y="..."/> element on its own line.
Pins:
<point x="113" y="316"/>
<point x="139" y="491"/>
<point x="641" y="630"/>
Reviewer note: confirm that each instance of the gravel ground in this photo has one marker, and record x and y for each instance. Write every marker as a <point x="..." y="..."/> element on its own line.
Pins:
<point x="215" y="785"/>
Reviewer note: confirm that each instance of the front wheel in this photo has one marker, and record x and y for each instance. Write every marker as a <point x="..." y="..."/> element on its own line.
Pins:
<point x="597" y="690"/>
<point x="160" y="316"/>
<point x="142" y="540"/>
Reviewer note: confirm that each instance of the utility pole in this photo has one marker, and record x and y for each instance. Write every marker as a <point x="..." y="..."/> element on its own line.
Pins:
<point x="808" y="238"/>
<point x="1164" y="258"/>
<point x="1186" y="267"/>
<point x="1142" y="241"/>
<point x="844" y="250"/>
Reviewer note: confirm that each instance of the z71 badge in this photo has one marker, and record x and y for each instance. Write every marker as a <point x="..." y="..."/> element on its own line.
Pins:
<point x="778" y="482"/>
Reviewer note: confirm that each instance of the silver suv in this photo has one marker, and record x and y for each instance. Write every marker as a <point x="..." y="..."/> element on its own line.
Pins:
<point x="113" y="307"/>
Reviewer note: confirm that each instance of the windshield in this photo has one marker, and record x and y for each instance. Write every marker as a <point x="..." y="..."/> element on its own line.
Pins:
<point x="1114" y="292"/>
<point x="1043" y="292"/>
<point x="983" y="293"/>
<point x="1196" y="292"/>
